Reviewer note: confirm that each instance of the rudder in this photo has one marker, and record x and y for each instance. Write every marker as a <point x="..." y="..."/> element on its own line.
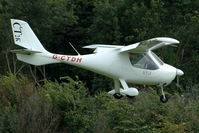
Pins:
<point x="33" y="53"/>
<point x="24" y="36"/>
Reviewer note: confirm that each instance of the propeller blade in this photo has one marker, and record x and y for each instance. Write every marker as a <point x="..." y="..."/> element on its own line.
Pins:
<point x="174" y="46"/>
<point x="178" y="85"/>
<point x="178" y="74"/>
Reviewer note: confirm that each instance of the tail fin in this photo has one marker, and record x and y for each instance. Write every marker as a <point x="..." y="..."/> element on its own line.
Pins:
<point x="24" y="36"/>
<point x="33" y="53"/>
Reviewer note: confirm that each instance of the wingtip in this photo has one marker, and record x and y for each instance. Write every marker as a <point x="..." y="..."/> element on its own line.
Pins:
<point x="168" y="39"/>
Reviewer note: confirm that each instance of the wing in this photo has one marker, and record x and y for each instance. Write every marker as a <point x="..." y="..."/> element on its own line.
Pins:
<point x="140" y="47"/>
<point x="94" y="46"/>
<point x="150" y="44"/>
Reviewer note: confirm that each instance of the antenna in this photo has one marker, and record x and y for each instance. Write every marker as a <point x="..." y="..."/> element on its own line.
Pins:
<point x="74" y="48"/>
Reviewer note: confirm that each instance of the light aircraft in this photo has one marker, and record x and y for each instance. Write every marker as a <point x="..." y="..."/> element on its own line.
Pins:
<point x="135" y="63"/>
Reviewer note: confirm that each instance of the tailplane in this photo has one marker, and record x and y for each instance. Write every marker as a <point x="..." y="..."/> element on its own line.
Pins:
<point x="33" y="53"/>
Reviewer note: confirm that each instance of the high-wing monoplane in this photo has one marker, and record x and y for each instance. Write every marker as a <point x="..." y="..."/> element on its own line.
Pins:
<point x="135" y="63"/>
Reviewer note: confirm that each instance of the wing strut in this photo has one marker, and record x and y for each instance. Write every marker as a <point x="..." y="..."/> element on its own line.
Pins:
<point x="124" y="84"/>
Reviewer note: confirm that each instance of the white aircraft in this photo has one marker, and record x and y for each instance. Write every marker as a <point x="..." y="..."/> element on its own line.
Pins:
<point x="135" y="63"/>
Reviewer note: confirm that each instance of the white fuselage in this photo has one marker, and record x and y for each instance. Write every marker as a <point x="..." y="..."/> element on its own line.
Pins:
<point x="116" y="65"/>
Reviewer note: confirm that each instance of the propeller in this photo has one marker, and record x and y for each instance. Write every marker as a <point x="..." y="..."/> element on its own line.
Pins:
<point x="178" y="74"/>
<point x="178" y="71"/>
<point x="178" y="82"/>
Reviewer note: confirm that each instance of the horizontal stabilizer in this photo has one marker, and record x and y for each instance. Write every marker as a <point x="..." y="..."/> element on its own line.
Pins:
<point x="25" y="51"/>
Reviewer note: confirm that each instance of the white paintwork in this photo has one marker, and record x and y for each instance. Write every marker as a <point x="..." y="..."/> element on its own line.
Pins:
<point x="94" y="46"/>
<point x="109" y="60"/>
<point x="179" y="72"/>
<point x="24" y="36"/>
<point x="129" y="91"/>
<point x="150" y="44"/>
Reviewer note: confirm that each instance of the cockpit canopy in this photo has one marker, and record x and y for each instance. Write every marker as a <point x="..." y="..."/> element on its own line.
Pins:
<point x="144" y="61"/>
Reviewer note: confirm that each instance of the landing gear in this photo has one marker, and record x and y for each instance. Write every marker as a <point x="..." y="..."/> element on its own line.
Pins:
<point x="163" y="98"/>
<point x="131" y="97"/>
<point x="124" y="91"/>
<point x="117" y="95"/>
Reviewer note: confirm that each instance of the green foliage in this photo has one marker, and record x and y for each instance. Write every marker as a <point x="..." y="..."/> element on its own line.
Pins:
<point x="106" y="30"/>
<point x="11" y="89"/>
<point x="67" y="107"/>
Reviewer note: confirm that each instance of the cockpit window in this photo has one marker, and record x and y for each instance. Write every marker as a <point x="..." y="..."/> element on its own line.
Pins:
<point x="142" y="60"/>
<point x="157" y="58"/>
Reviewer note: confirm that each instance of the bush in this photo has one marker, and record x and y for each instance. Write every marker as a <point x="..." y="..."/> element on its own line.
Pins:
<point x="67" y="107"/>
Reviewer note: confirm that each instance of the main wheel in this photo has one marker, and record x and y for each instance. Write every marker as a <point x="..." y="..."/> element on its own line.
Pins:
<point x="117" y="95"/>
<point x="131" y="97"/>
<point x="164" y="99"/>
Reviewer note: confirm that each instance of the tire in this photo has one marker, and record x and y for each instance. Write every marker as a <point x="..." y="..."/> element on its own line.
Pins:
<point x="117" y="95"/>
<point x="164" y="100"/>
<point x="131" y="97"/>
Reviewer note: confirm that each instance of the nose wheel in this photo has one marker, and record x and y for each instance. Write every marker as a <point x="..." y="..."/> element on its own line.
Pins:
<point x="117" y="95"/>
<point x="163" y="98"/>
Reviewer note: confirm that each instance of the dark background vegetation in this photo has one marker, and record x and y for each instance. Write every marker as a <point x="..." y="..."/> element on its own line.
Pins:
<point x="36" y="100"/>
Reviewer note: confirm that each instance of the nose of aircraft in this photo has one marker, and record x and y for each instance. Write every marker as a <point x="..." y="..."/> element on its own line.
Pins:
<point x="179" y="72"/>
<point x="170" y="73"/>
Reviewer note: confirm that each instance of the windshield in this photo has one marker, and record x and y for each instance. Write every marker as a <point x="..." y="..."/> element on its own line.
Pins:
<point x="142" y="60"/>
<point x="157" y="58"/>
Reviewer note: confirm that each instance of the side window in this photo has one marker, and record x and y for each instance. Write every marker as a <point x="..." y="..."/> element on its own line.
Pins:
<point x="142" y="61"/>
<point x="157" y="58"/>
